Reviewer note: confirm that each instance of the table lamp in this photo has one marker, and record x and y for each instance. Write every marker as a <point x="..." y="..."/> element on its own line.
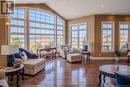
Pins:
<point x="9" y="50"/>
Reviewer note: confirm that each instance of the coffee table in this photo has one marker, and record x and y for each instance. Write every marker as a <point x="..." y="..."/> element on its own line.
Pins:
<point x="10" y="71"/>
<point x="110" y="70"/>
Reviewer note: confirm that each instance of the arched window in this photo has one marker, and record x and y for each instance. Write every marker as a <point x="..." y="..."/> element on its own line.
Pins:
<point x="33" y="28"/>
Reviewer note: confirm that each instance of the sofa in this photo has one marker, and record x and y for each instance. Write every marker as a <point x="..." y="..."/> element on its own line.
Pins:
<point x="33" y="64"/>
<point x="3" y="82"/>
<point x="66" y="49"/>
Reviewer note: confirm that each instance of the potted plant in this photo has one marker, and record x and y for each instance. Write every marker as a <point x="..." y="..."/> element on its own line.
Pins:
<point x="117" y="54"/>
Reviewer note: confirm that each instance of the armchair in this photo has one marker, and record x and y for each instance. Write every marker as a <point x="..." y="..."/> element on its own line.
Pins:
<point x="63" y="50"/>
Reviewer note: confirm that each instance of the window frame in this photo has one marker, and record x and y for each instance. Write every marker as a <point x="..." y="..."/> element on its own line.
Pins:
<point x="78" y="25"/>
<point x="9" y="28"/>
<point x="60" y="30"/>
<point x="112" y="37"/>
<point x="27" y="27"/>
<point x="123" y="22"/>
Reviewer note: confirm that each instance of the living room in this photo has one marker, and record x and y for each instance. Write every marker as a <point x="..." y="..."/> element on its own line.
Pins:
<point x="64" y="43"/>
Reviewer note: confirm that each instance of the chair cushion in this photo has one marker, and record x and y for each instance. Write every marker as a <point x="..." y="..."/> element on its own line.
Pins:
<point x="122" y="80"/>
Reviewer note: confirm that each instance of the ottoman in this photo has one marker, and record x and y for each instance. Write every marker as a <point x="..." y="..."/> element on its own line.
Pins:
<point x="75" y="57"/>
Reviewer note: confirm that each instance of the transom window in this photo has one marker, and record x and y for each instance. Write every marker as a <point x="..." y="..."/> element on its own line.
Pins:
<point x="78" y="35"/>
<point x="34" y="28"/>
<point x="124" y="29"/>
<point x="107" y="36"/>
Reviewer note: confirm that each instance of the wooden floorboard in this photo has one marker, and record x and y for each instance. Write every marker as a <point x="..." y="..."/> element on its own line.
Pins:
<point x="60" y="73"/>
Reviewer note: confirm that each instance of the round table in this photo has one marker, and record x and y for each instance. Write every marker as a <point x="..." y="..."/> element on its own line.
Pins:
<point x="10" y="71"/>
<point x="110" y="70"/>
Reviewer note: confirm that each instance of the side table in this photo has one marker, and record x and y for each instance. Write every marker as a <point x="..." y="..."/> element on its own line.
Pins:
<point x="86" y="55"/>
<point x="10" y="71"/>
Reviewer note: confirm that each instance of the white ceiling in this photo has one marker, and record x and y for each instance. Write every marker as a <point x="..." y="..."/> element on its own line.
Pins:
<point x="70" y="9"/>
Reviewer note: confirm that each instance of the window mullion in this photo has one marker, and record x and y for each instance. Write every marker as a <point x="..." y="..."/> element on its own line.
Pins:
<point x="27" y="28"/>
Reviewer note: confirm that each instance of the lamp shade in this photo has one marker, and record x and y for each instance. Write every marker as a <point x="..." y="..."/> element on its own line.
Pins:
<point x="9" y="49"/>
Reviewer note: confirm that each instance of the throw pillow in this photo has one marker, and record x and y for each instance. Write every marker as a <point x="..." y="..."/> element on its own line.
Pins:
<point x="122" y="80"/>
<point x="29" y="54"/>
<point x="17" y="55"/>
<point x="1" y="86"/>
<point x="24" y="56"/>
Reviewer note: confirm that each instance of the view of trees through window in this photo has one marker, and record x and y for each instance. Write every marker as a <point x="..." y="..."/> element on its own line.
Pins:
<point x="36" y="27"/>
<point x="107" y="36"/>
<point x="78" y="35"/>
<point x="124" y="27"/>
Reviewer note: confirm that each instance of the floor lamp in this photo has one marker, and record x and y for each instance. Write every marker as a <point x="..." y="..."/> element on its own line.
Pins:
<point x="9" y="51"/>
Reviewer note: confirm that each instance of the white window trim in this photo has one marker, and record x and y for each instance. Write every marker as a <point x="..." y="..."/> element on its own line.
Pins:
<point x="121" y="22"/>
<point x="113" y="37"/>
<point x="70" y="30"/>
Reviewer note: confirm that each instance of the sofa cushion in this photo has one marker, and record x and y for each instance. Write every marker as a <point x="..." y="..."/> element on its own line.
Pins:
<point x="29" y="54"/>
<point x="1" y="85"/>
<point x="122" y="80"/>
<point x="17" y="55"/>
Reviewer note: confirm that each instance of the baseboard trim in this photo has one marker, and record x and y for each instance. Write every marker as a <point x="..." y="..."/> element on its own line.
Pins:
<point x="107" y="58"/>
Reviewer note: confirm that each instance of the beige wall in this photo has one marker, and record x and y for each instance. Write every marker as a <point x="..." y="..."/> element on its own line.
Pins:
<point x="3" y="39"/>
<point x="94" y="31"/>
<point x="89" y="20"/>
<point x="114" y="18"/>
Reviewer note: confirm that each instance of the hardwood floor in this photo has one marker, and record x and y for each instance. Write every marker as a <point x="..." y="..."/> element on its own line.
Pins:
<point x="60" y="73"/>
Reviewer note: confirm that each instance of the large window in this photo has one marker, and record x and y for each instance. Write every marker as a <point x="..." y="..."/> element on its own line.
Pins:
<point x="17" y="28"/>
<point x="107" y="36"/>
<point x="78" y="35"/>
<point x="34" y="28"/>
<point x="124" y="27"/>
<point x="41" y="27"/>
<point x="60" y="31"/>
